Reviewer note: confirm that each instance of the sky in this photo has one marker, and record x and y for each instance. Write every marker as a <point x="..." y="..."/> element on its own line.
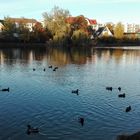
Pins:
<point x="125" y="11"/>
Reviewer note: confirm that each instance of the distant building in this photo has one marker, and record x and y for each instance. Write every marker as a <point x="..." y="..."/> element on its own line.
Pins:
<point x="1" y="25"/>
<point x="131" y="28"/>
<point x="103" y="31"/>
<point x="29" y="23"/>
<point x="92" y="23"/>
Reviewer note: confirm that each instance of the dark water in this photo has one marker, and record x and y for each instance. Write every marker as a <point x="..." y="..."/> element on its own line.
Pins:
<point x="44" y="99"/>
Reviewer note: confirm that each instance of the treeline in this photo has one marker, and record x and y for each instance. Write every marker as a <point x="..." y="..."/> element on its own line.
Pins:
<point x="20" y="32"/>
<point x="57" y="31"/>
<point x="60" y="29"/>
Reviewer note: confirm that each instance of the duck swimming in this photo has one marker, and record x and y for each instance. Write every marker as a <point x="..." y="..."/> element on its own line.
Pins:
<point x="50" y="66"/>
<point x="81" y="121"/>
<point x="128" y="109"/>
<point x="5" y="89"/>
<point x="119" y="88"/>
<point x="122" y="95"/>
<point x="55" y="68"/>
<point x="33" y="69"/>
<point x="75" y="91"/>
<point x="109" y="88"/>
<point x="31" y="130"/>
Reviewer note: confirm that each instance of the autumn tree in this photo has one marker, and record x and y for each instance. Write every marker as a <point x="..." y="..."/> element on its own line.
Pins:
<point x="110" y="27"/>
<point x="119" y="30"/>
<point x="39" y="33"/>
<point x="55" y="22"/>
<point x="79" y="22"/>
<point x="9" y="27"/>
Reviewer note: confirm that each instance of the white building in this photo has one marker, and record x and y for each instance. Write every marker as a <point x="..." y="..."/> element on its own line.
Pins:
<point x="131" y="28"/>
<point x="29" y="23"/>
<point x="1" y="25"/>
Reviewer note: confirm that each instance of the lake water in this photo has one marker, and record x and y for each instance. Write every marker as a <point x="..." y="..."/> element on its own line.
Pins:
<point x="44" y="99"/>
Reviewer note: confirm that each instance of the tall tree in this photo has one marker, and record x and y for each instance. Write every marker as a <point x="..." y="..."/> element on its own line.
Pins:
<point x="9" y="27"/>
<point x="110" y="27"/>
<point x="55" y="19"/>
<point x="119" y="30"/>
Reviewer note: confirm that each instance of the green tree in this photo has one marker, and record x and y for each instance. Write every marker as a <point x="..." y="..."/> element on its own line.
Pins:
<point x="55" y="23"/>
<point x="80" y="37"/>
<point x="9" y="27"/>
<point x="119" y="30"/>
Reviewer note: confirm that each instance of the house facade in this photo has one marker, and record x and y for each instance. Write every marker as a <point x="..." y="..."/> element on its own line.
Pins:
<point x="92" y="23"/>
<point x="103" y="31"/>
<point x="29" y="23"/>
<point x="1" y="25"/>
<point x="131" y="28"/>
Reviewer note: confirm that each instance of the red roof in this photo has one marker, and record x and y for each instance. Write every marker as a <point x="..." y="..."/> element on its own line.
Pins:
<point x="70" y="20"/>
<point x="92" y="21"/>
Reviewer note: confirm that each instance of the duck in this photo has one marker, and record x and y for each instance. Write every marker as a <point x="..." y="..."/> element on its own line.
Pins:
<point x="50" y="66"/>
<point x="128" y="109"/>
<point x="33" y="69"/>
<point x="109" y="88"/>
<point x="44" y="69"/>
<point x="5" y="89"/>
<point x="119" y="88"/>
<point x="81" y="121"/>
<point x="31" y="130"/>
<point x="75" y="91"/>
<point x="122" y="95"/>
<point x="55" y="68"/>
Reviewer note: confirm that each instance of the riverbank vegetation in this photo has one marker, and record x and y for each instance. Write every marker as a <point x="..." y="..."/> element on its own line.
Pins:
<point x="61" y="29"/>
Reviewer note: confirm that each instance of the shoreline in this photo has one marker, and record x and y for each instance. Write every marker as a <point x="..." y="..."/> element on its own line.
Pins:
<point x="133" y="136"/>
<point x="44" y="45"/>
<point x="22" y="45"/>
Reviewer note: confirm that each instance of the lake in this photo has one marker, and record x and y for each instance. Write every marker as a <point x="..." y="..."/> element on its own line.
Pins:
<point x="43" y="99"/>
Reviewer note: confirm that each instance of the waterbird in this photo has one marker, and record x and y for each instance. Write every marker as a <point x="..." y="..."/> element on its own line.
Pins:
<point x="5" y="89"/>
<point x="122" y="95"/>
<point x="128" y="109"/>
<point x="33" y="69"/>
<point x="50" y="66"/>
<point x="81" y="121"/>
<point x="109" y="88"/>
<point x="44" y="69"/>
<point x="119" y="88"/>
<point x="31" y="130"/>
<point x="75" y="91"/>
<point x="55" y="68"/>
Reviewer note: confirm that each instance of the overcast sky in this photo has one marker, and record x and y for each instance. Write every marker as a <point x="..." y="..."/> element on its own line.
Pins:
<point x="127" y="11"/>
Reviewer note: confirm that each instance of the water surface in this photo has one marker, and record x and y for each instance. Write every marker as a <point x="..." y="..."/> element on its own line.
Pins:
<point x="44" y="99"/>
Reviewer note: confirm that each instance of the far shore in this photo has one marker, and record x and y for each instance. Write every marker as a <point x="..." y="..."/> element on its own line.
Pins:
<point x="21" y="45"/>
<point x="43" y="45"/>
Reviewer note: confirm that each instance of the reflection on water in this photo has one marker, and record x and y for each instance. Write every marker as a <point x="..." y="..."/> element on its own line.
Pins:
<point x="43" y="98"/>
<point x="62" y="57"/>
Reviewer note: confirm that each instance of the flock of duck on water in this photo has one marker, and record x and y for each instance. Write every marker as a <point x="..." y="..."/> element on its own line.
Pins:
<point x="120" y="96"/>
<point x="31" y="129"/>
<point x="81" y="120"/>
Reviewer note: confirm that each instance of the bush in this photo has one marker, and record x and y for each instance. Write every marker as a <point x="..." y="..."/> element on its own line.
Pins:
<point x="80" y="37"/>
